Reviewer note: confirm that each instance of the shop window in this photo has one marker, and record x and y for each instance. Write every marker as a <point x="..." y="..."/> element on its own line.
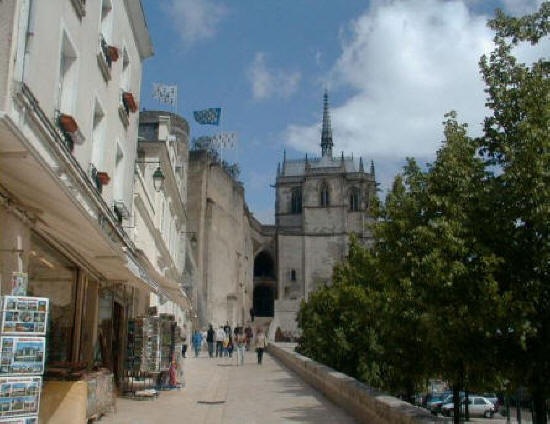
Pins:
<point x="53" y="276"/>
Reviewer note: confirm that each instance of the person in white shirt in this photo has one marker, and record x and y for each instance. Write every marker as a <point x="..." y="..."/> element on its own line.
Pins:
<point x="220" y="335"/>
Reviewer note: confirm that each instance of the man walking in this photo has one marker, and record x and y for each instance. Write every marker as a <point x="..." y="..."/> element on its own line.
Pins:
<point x="210" y="340"/>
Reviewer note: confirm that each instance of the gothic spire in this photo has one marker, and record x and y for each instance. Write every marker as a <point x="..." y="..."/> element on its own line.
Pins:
<point x="361" y="168"/>
<point x="326" y="132"/>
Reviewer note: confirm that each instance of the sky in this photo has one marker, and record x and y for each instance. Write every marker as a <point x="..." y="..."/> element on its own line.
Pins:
<point x="392" y="68"/>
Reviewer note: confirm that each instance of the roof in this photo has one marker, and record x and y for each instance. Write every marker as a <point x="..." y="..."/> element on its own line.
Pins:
<point x="296" y="168"/>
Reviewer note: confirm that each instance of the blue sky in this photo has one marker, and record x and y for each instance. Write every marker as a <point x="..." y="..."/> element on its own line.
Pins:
<point x="393" y="68"/>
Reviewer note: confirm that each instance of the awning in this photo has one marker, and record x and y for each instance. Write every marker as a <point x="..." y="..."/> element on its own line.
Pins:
<point x="166" y="286"/>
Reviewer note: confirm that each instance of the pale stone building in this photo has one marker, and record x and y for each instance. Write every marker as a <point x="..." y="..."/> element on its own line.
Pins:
<point x="226" y="235"/>
<point x="319" y="203"/>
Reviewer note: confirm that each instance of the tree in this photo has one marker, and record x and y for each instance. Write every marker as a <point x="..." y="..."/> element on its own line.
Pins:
<point x="516" y="140"/>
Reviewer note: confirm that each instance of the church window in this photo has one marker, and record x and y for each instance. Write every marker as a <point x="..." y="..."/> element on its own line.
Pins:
<point x="354" y="200"/>
<point x="296" y="201"/>
<point x="324" y="195"/>
<point x="292" y="275"/>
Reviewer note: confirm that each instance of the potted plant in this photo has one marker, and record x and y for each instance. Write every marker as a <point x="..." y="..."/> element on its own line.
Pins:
<point x="68" y="123"/>
<point x="129" y="102"/>
<point x="103" y="177"/>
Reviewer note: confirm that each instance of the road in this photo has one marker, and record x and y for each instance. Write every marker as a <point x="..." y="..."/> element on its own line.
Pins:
<point x="219" y="391"/>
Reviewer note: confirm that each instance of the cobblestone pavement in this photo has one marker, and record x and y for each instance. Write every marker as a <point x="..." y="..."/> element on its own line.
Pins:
<point x="219" y="391"/>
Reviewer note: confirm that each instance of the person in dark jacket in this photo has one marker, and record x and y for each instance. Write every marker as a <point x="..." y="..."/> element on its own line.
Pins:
<point x="210" y="341"/>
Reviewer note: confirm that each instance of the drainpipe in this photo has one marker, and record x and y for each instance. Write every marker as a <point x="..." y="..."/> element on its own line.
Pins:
<point x="26" y="31"/>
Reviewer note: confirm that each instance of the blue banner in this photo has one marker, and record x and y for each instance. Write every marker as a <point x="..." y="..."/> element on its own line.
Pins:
<point x="209" y="116"/>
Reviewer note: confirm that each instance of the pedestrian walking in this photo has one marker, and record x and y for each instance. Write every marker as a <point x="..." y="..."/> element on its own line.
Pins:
<point x="197" y="342"/>
<point x="220" y="335"/>
<point x="210" y="336"/>
<point x="184" y="347"/>
<point x="225" y="345"/>
<point x="260" y="343"/>
<point x="241" y="344"/>
<point x="230" y="345"/>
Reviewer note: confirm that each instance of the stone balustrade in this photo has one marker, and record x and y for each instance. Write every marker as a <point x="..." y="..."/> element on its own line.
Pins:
<point x="366" y="404"/>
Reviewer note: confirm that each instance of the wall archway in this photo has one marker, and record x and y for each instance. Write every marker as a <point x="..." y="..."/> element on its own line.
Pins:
<point x="264" y="301"/>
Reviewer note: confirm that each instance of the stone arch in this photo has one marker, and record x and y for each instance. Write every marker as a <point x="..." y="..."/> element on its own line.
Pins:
<point x="264" y="293"/>
<point x="264" y="265"/>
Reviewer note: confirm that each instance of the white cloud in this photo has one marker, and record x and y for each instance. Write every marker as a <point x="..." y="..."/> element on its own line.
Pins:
<point x="407" y="63"/>
<point x="195" y="20"/>
<point x="269" y="82"/>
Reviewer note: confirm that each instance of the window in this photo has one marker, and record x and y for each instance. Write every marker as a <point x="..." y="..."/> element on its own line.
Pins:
<point x="324" y="195"/>
<point x="118" y="181"/>
<point x="66" y="85"/>
<point x="292" y="275"/>
<point x="107" y="20"/>
<point x="354" y="199"/>
<point x="479" y="401"/>
<point x="53" y="276"/>
<point x="98" y="136"/>
<point x="125" y="79"/>
<point x="296" y="201"/>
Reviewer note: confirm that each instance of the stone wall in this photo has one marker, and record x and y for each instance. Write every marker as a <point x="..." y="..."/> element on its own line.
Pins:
<point x="224" y="251"/>
<point x="366" y="404"/>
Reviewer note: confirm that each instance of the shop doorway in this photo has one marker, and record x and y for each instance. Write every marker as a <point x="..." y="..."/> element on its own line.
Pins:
<point x="264" y="301"/>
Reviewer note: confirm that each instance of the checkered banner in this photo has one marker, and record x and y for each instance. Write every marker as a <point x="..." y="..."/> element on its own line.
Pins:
<point x="209" y="116"/>
<point x="167" y="94"/>
<point x="225" y="140"/>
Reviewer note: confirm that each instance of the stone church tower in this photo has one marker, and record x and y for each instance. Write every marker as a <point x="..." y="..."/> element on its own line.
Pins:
<point x="319" y="203"/>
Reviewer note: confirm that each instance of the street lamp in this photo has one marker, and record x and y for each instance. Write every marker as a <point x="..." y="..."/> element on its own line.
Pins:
<point x="158" y="179"/>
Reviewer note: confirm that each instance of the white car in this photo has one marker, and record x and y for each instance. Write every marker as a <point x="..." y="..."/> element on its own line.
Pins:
<point x="477" y="406"/>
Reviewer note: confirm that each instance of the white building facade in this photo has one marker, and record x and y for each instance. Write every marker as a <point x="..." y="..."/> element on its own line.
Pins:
<point x="69" y="91"/>
<point x="160" y="209"/>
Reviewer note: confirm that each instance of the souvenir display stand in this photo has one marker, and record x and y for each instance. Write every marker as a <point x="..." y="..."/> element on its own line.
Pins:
<point x="22" y="355"/>
<point x="142" y="365"/>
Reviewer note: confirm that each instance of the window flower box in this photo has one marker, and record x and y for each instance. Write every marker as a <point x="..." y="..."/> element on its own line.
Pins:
<point x="103" y="177"/>
<point x="69" y="130"/>
<point x="68" y="123"/>
<point x="129" y="102"/>
<point x="112" y="53"/>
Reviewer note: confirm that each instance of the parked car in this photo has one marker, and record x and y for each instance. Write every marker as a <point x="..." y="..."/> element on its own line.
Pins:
<point x="477" y="406"/>
<point x="493" y="398"/>
<point x="435" y="407"/>
<point x="434" y="400"/>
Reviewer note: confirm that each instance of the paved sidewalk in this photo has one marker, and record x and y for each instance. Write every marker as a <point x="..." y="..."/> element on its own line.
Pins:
<point x="218" y="391"/>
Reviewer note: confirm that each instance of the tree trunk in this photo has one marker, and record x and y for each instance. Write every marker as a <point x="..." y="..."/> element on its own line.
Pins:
<point x="456" y="404"/>
<point x="539" y="408"/>
<point x="466" y="407"/>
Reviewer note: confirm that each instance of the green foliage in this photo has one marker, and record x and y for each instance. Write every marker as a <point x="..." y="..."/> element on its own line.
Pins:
<point x="456" y="283"/>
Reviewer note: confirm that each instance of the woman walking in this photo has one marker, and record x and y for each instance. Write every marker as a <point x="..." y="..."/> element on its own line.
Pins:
<point x="260" y="343"/>
<point x="241" y="343"/>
